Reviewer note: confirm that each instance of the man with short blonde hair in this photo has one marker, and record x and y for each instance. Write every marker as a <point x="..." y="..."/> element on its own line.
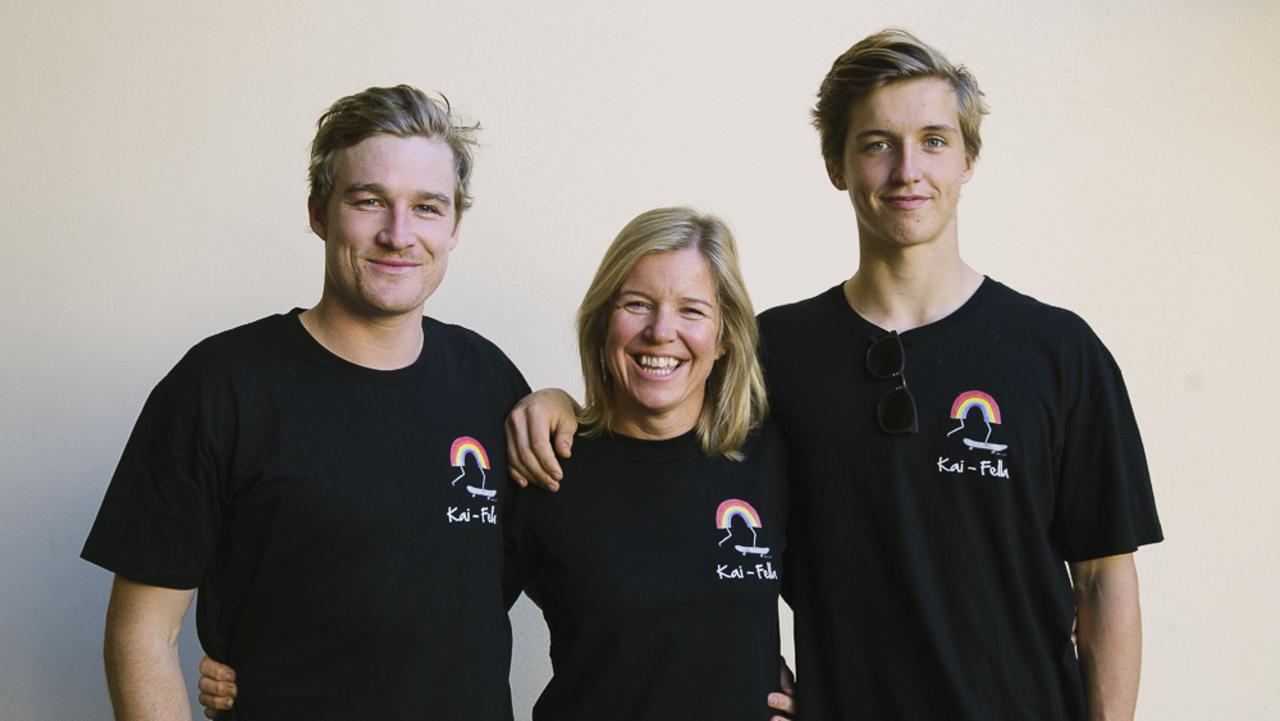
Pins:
<point x="329" y="478"/>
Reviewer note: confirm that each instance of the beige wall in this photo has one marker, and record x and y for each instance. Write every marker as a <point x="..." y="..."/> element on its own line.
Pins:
<point x="152" y="160"/>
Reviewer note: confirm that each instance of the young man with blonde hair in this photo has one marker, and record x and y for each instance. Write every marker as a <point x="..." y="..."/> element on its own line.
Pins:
<point x="967" y="474"/>
<point x="329" y="478"/>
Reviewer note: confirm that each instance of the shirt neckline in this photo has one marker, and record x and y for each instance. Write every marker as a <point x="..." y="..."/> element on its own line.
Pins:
<point x="984" y="292"/>
<point x="681" y="447"/>
<point x="411" y="373"/>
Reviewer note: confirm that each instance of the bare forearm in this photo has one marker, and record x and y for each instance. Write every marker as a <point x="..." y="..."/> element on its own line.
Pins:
<point x="145" y="680"/>
<point x="1110" y="637"/>
<point x="140" y="651"/>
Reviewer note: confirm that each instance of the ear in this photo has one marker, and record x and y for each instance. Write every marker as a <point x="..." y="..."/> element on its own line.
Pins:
<point x="969" y="165"/>
<point x="836" y="176"/>
<point x="315" y="213"/>
<point x="457" y="227"/>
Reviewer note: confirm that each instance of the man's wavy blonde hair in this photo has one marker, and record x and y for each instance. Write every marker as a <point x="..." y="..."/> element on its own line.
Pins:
<point x="890" y="56"/>
<point x="403" y="111"/>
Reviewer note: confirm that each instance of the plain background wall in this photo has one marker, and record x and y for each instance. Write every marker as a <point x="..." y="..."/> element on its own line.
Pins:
<point x="152" y="191"/>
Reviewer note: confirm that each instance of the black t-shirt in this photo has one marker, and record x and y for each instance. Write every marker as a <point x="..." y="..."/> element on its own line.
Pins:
<point x="928" y="576"/>
<point x="341" y="523"/>
<point x="658" y="572"/>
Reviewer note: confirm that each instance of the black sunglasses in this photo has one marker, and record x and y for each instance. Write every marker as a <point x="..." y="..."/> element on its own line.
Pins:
<point x="896" y="411"/>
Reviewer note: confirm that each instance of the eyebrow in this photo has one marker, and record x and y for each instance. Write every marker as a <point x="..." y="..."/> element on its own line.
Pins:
<point x="379" y="189"/>
<point x="685" y="299"/>
<point x="936" y="128"/>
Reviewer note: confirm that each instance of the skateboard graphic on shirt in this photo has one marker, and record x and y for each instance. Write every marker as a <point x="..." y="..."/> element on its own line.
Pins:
<point x="737" y="508"/>
<point x="990" y="414"/>
<point x="467" y="447"/>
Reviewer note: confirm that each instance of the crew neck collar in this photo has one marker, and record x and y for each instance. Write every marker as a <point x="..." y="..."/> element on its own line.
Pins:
<point x="681" y="447"/>
<point x="399" y="376"/>
<point x="985" y="290"/>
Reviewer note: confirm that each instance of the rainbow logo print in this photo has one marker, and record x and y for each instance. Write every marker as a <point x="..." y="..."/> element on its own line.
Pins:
<point x="967" y="400"/>
<point x="990" y="411"/>
<point x="738" y="508"/>
<point x="466" y="447"/>
<point x="735" y="507"/>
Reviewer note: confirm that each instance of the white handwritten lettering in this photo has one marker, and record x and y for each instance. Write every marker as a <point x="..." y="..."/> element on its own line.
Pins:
<point x="946" y="466"/>
<point x="762" y="571"/>
<point x="993" y="469"/>
<point x="997" y="469"/>
<point x="484" y="514"/>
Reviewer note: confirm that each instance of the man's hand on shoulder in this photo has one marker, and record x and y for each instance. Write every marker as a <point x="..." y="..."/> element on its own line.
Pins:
<point x="540" y="427"/>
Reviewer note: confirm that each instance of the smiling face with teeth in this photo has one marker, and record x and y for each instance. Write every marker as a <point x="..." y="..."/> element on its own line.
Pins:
<point x="662" y="342"/>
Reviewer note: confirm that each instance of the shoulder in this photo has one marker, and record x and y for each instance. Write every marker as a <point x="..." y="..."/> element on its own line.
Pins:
<point x="1032" y="320"/>
<point x="235" y="342"/>
<point x="456" y="340"/>
<point x="206" y="386"/>
<point x="590" y="453"/>
<point x="1036" y="312"/>
<point x="220" y="355"/>
<point x="765" y="451"/>
<point x="765" y="440"/>
<point x="799" y="325"/>
<point x="1031" y="330"/>
<point x="468" y="352"/>
<point x="762" y="471"/>
<point x="807" y="310"/>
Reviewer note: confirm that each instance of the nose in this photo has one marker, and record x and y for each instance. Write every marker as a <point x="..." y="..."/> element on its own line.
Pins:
<point x="662" y="329"/>
<point x="395" y="232"/>
<point x="907" y="170"/>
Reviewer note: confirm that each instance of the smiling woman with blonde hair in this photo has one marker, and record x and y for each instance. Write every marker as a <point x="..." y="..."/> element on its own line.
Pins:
<point x="735" y="394"/>
<point x="657" y="566"/>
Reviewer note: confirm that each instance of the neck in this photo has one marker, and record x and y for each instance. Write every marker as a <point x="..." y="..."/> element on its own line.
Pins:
<point x="379" y="342"/>
<point x="652" y="428"/>
<point x="900" y="288"/>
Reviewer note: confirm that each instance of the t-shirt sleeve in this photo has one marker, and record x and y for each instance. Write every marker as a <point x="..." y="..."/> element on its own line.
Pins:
<point x="161" y="515"/>
<point x="517" y="559"/>
<point x="1105" y="505"/>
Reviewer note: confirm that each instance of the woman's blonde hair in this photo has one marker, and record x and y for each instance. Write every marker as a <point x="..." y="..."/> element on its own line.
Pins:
<point x="735" y="400"/>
